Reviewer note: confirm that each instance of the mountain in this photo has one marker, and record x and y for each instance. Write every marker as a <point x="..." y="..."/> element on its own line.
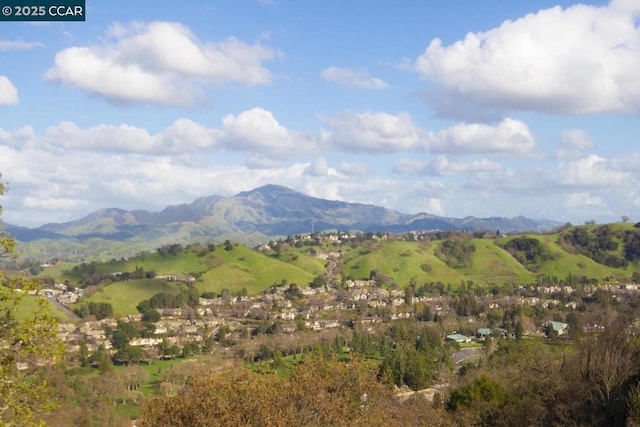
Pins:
<point x="262" y="213"/>
<point x="24" y="234"/>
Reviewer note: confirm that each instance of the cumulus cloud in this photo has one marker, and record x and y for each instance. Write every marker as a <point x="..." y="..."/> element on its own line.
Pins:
<point x="255" y="133"/>
<point x="592" y="171"/>
<point x="388" y="133"/>
<point x="443" y="166"/>
<point x="8" y="92"/>
<point x="257" y="130"/>
<point x="182" y="136"/>
<point x="354" y="78"/>
<point x="159" y="62"/>
<point x="51" y="203"/>
<point x="18" y="45"/>
<point x="354" y="169"/>
<point x="508" y="137"/>
<point x="583" y="59"/>
<point x="23" y="137"/>
<point x="372" y="132"/>
<point x="576" y="138"/>
<point x="584" y="199"/>
<point x="407" y="166"/>
<point x="573" y="143"/>
<point x="319" y="168"/>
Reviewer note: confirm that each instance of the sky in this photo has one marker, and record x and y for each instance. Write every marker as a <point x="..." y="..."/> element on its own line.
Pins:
<point x="482" y="108"/>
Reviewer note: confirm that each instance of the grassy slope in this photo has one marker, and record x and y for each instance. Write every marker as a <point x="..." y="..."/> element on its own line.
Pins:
<point x="566" y="263"/>
<point x="125" y="296"/>
<point x="491" y="264"/>
<point x="29" y="303"/>
<point x="400" y="260"/>
<point x="311" y="265"/>
<point x="245" y="268"/>
<point x="182" y="263"/>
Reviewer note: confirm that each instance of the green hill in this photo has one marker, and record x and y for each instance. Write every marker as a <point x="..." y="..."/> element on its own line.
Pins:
<point x="125" y="296"/>
<point x="398" y="262"/>
<point x="519" y="259"/>
<point x="29" y="303"/>
<point x="457" y="257"/>
<point x="491" y="264"/>
<point x="242" y="267"/>
<point x="233" y="267"/>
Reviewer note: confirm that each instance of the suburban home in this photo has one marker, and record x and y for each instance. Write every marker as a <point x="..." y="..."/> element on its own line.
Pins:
<point x="482" y="333"/>
<point x="552" y="327"/>
<point x="459" y="338"/>
<point x="500" y="332"/>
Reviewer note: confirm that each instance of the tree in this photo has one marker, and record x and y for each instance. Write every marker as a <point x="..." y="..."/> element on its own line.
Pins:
<point x="318" y="392"/>
<point x="28" y="344"/>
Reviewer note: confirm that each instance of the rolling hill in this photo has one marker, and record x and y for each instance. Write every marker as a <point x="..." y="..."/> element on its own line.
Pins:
<point x="451" y="259"/>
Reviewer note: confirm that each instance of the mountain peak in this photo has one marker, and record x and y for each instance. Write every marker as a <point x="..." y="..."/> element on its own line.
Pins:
<point x="271" y="190"/>
<point x="269" y="211"/>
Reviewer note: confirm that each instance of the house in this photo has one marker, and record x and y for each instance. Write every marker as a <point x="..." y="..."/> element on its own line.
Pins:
<point x="482" y="333"/>
<point x="288" y="315"/>
<point x="555" y="328"/>
<point x="500" y="332"/>
<point x="459" y="338"/>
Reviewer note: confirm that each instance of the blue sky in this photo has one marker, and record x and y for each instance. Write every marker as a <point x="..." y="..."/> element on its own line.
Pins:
<point x="492" y="108"/>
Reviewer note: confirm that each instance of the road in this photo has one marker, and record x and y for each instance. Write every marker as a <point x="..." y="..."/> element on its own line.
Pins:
<point x="465" y="353"/>
<point x="61" y="307"/>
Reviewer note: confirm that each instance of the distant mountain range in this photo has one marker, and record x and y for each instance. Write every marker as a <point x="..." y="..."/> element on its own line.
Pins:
<point x="263" y="213"/>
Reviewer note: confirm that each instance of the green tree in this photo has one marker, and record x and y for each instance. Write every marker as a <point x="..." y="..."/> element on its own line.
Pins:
<point x="28" y="344"/>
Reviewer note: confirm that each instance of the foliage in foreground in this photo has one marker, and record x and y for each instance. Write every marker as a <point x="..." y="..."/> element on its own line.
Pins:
<point x="319" y="392"/>
<point x="27" y="345"/>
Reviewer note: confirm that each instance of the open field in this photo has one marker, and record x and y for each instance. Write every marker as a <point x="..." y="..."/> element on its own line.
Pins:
<point x="125" y="296"/>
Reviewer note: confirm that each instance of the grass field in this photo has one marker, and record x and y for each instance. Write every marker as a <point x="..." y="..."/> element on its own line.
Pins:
<point x="29" y="304"/>
<point x="243" y="267"/>
<point x="491" y="264"/>
<point x="125" y="296"/>
<point x="396" y="262"/>
<point x="401" y="261"/>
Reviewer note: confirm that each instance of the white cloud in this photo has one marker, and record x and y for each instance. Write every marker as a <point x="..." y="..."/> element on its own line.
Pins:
<point x="8" y="92"/>
<point x="407" y="166"/>
<point x="592" y="171"/>
<point x="182" y="136"/>
<point x="23" y="137"/>
<point x="160" y="62"/>
<point x="354" y="78"/>
<point x="576" y="138"/>
<point x="434" y="207"/>
<point x="584" y="199"/>
<point x="354" y="169"/>
<point x="18" y="45"/>
<point x="573" y="143"/>
<point x="442" y="166"/>
<point x="52" y="203"/>
<point x="372" y="132"/>
<point x="583" y="59"/>
<point x="509" y="137"/>
<point x="257" y="130"/>
<point x="319" y="168"/>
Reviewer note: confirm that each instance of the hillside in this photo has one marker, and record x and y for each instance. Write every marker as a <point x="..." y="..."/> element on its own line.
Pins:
<point x="495" y="261"/>
<point x="450" y="259"/>
<point x="124" y="283"/>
